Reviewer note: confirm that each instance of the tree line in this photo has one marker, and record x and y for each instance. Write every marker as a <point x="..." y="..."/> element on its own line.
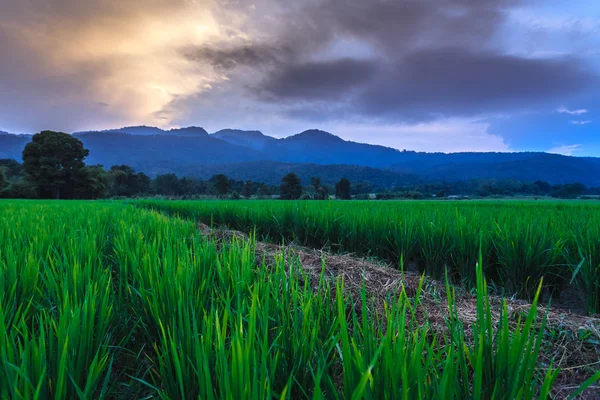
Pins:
<point x="53" y="166"/>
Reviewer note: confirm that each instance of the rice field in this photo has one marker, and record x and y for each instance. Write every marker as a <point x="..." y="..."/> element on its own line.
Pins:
<point x="521" y="241"/>
<point x="106" y="300"/>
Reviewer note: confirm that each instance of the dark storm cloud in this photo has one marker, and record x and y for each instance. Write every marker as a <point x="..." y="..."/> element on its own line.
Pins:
<point x="412" y="23"/>
<point x="424" y="58"/>
<point x="458" y="82"/>
<point x="317" y="80"/>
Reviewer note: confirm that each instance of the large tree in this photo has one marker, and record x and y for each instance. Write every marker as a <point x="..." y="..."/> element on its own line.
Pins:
<point x="52" y="160"/>
<point x="221" y="183"/>
<point x="342" y="189"/>
<point x="291" y="188"/>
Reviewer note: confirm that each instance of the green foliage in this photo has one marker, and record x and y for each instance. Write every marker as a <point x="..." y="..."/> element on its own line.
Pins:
<point x="342" y="189"/>
<point x="21" y="188"/>
<point x="320" y="192"/>
<point x="124" y="181"/>
<point x="221" y="183"/>
<point x="291" y="187"/>
<point x="583" y="256"/>
<point x="247" y="189"/>
<point x="4" y="183"/>
<point x="52" y="160"/>
<point x="12" y="168"/>
<point x="91" y="182"/>
<point x="263" y="191"/>
<point x="167" y="184"/>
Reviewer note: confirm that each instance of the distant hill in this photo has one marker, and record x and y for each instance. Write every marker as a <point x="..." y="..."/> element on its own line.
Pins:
<point x="252" y="155"/>
<point x="526" y="167"/>
<point x="11" y="146"/>
<point x="321" y="147"/>
<point x="162" y="153"/>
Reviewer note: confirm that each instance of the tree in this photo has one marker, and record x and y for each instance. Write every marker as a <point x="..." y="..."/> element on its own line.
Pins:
<point x="221" y="183"/>
<point x="91" y="183"/>
<point x="22" y="188"/>
<point x="263" y="191"/>
<point x="4" y="183"/>
<point x="291" y="187"/>
<point x="322" y="193"/>
<point x="342" y="189"/>
<point x="142" y="183"/>
<point x="167" y="184"/>
<point x="11" y="167"/>
<point x="125" y="181"/>
<point x="542" y="187"/>
<point x="190" y="186"/>
<point x="247" y="189"/>
<point x="568" y="191"/>
<point x="316" y="183"/>
<point x="51" y="161"/>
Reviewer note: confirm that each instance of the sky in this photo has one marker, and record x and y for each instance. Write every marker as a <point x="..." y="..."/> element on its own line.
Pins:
<point x="426" y="75"/>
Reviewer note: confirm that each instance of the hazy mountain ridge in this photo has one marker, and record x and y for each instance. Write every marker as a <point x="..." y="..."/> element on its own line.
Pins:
<point x="143" y="130"/>
<point x="253" y="139"/>
<point x="243" y="154"/>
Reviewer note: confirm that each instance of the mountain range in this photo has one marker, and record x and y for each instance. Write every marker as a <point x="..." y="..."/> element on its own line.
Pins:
<point x="240" y="154"/>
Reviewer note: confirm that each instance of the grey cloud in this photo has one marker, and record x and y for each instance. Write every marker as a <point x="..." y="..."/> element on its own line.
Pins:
<point x="317" y="80"/>
<point x="308" y="60"/>
<point x="434" y="58"/>
<point x="423" y="85"/>
<point x="414" y="23"/>
<point x="429" y="58"/>
<point x="228" y="59"/>
<point x="458" y="82"/>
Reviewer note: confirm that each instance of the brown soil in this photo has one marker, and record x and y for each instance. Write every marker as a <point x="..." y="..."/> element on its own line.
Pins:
<point x="577" y="358"/>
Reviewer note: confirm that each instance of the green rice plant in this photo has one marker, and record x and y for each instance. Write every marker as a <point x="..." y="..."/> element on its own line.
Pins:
<point x="435" y="245"/>
<point x="468" y="243"/>
<point x="504" y="357"/>
<point x="403" y="240"/>
<point x="106" y="300"/>
<point x="526" y="253"/>
<point x="400" y="357"/>
<point x="57" y="310"/>
<point x="584" y="259"/>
